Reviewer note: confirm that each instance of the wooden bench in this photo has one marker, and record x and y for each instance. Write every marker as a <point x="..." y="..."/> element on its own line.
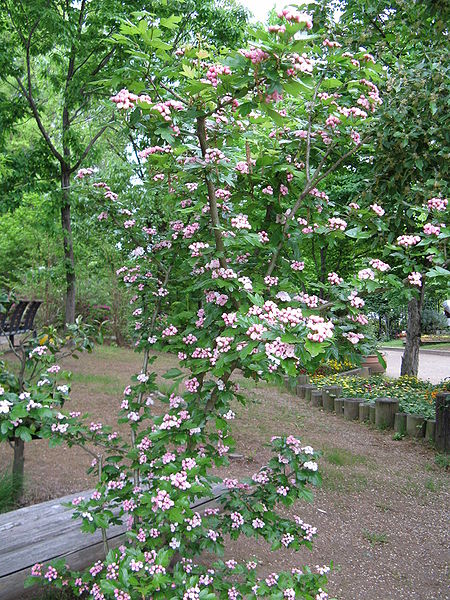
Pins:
<point x="46" y="531"/>
<point x="19" y="318"/>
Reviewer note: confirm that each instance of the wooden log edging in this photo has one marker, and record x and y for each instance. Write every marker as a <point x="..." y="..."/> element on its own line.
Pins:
<point x="385" y="409"/>
<point x="383" y="412"/>
<point x="46" y="531"/>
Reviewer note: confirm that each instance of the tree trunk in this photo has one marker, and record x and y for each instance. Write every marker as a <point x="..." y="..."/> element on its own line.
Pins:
<point x="69" y="261"/>
<point x="18" y="468"/>
<point x="410" y="359"/>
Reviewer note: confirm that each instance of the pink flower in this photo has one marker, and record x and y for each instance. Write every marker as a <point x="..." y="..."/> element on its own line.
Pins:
<point x="377" y="209"/>
<point x="240" y="221"/>
<point x="408" y="240"/>
<point x="415" y="278"/>
<point x="334" y="279"/>
<point x="335" y="223"/>
<point x="439" y="204"/>
<point x="431" y="229"/>
<point x="192" y="385"/>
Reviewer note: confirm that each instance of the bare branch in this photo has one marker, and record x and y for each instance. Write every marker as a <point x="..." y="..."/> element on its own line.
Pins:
<point x="88" y="147"/>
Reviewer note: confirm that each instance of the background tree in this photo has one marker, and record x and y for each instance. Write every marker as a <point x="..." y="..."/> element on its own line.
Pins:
<point x="411" y="141"/>
<point x="60" y="53"/>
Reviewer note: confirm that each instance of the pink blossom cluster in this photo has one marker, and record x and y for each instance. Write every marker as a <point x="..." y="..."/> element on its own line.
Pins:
<point x="365" y="274"/>
<point x="242" y="167"/>
<point x="279" y="29"/>
<point x="268" y="190"/>
<point x="169" y="331"/>
<point x="165" y="108"/>
<point x="374" y="94"/>
<point x="240" y="221"/>
<point x="293" y="16"/>
<point x="355" y="300"/>
<point x="125" y="99"/>
<point x="318" y="194"/>
<point x="213" y="155"/>
<point x="430" y="229"/>
<point x="332" y="121"/>
<point x="437" y="204"/>
<point x="153" y="150"/>
<point x="197" y="247"/>
<point x="270" y="281"/>
<point x="334" y="279"/>
<point x="320" y="329"/>
<point x="162" y="501"/>
<point x="82" y="173"/>
<point x="336" y="223"/>
<point x="331" y="44"/>
<point x="356" y="138"/>
<point x="408" y="240"/>
<point x="379" y="265"/>
<point x="223" y="194"/>
<point x="377" y="209"/>
<point x="215" y="71"/>
<point x="415" y="278"/>
<point x="300" y="64"/>
<point x="297" y="265"/>
<point x="312" y="301"/>
<point x="255" y="331"/>
<point x="280" y="350"/>
<point x="353" y="338"/>
<point x="256" y="55"/>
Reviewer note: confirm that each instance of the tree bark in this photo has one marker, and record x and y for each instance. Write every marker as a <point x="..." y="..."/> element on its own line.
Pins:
<point x="69" y="261"/>
<point x="410" y="359"/>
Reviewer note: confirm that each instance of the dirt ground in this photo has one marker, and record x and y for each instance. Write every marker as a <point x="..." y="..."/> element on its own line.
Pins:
<point x="382" y="512"/>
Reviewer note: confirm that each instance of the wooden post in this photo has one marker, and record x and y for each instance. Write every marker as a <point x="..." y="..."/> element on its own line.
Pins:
<point x="300" y="389"/>
<point x="364" y="411"/>
<point x="328" y="400"/>
<point x="308" y="389"/>
<point x="430" y="430"/>
<point x="442" y="437"/>
<point x="372" y="413"/>
<point x="303" y="379"/>
<point x="385" y="409"/>
<point x="400" y="423"/>
<point x="351" y="408"/>
<point x="316" y="398"/>
<point x="339" y="406"/>
<point x="415" y="425"/>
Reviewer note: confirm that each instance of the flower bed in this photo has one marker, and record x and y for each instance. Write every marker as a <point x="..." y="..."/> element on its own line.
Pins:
<point x="415" y="396"/>
<point x="332" y="367"/>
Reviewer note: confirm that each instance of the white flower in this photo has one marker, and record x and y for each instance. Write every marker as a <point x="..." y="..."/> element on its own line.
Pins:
<point x="4" y="406"/>
<point x="2" y="390"/>
<point x="308" y="450"/>
<point x="64" y="389"/>
<point x="311" y="465"/>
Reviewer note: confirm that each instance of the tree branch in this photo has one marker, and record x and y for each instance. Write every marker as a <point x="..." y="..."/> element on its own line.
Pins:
<point x="89" y="146"/>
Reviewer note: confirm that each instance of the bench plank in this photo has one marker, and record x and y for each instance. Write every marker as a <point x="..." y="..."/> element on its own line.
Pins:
<point x="46" y="531"/>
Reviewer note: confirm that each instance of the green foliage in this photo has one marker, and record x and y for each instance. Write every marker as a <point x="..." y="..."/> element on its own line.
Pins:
<point x="415" y="396"/>
<point x="432" y="321"/>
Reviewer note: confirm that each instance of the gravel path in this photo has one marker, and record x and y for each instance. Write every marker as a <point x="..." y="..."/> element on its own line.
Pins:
<point x="434" y="367"/>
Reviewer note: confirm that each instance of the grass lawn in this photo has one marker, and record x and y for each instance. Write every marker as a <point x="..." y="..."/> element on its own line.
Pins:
<point x="399" y="344"/>
<point x="380" y="513"/>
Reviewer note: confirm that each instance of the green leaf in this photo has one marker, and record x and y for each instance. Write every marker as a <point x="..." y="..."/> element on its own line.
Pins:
<point x="172" y="373"/>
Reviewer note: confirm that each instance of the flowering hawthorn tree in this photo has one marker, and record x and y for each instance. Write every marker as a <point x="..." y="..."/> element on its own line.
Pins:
<point x="235" y="145"/>
<point x="32" y="396"/>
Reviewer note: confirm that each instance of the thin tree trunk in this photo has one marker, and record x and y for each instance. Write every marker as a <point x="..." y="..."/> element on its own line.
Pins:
<point x="410" y="359"/>
<point x="18" y="468"/>
<point x="69" y="261"/>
